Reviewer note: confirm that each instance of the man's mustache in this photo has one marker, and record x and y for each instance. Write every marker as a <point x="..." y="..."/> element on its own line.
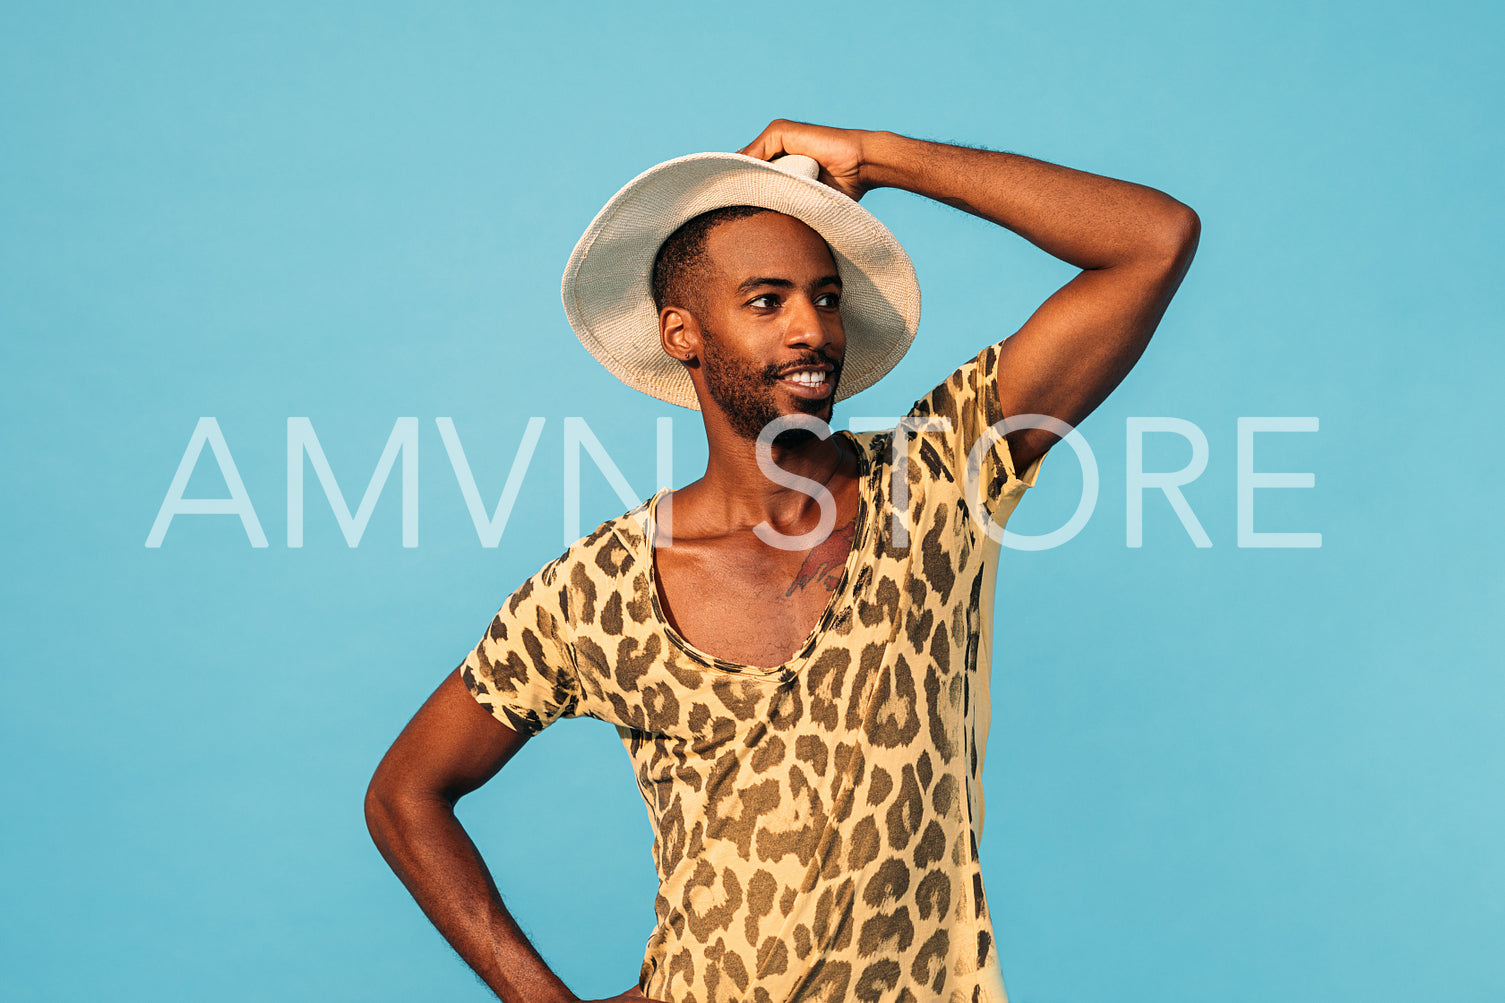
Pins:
<point x="772" y="374"/>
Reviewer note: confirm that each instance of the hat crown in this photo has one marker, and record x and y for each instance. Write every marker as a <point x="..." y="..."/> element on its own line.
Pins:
<point x="798" y="165"/>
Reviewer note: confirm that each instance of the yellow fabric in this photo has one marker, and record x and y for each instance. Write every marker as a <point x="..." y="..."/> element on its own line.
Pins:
<point x="815" y="823"/>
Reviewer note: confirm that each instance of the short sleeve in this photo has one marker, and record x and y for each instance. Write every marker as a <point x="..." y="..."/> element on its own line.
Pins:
<point x="523" y="670"/>
<point x="968" y="401"/>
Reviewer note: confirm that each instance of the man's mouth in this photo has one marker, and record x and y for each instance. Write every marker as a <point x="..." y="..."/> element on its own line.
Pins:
<point x="812" y="382"/>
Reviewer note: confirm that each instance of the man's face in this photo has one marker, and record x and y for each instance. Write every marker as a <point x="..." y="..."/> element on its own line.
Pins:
<point x="771" y="326"/>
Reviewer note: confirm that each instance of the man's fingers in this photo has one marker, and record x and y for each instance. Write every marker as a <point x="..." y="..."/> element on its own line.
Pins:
<point x="769" y="144"/>
<point x="839" y="152"/>
<point x="754" y="149"/>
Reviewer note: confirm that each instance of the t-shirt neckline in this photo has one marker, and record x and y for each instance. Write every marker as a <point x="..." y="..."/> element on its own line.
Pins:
<point x="828" y="616"/>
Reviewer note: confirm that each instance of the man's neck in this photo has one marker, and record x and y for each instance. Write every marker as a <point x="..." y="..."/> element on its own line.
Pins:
<point x="736" y="493"/>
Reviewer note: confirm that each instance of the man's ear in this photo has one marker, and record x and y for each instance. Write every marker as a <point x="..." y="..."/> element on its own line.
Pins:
<point x="679" y="333"/>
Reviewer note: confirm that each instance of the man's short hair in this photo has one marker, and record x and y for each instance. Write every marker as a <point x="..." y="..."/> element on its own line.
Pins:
<point x="680" y="265"/>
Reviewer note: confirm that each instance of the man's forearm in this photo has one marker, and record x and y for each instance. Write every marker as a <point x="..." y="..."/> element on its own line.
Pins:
<point x="1084" y="219"/>
<point x="434" y="857"/>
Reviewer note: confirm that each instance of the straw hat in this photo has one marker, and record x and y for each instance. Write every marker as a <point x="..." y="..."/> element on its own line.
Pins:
<point x="607" y="286"/>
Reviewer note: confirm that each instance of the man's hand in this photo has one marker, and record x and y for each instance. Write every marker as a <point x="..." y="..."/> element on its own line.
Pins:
<point x="838" y="151"/>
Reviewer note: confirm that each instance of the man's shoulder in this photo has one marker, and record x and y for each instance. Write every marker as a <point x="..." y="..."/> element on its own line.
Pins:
<point x="933" y="445"/>
<point x="608" y="554"/>
<point x="966" y="387"/>
<point x="966" y="393"/>
<point x="612" y="548"/>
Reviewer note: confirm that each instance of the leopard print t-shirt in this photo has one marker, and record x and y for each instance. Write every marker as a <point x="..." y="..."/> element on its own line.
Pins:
<point x="816" y="823"/>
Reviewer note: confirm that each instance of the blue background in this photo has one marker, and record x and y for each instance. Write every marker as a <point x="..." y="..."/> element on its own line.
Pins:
<point x="1231" y="774"/>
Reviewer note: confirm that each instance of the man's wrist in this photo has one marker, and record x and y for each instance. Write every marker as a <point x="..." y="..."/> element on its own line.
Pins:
<point x="887" y="160"/>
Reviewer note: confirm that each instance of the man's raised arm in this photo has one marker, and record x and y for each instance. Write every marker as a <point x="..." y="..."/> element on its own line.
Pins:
<point x="451" y="747"/>
<point x="1133" y="244"/>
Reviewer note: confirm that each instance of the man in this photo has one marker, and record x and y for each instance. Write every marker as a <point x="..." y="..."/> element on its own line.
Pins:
<point x="795" y="647"/>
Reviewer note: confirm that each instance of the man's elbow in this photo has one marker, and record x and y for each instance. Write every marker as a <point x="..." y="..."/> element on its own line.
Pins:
<point x="400" y="802"/>
<point x="379" y="814"/>
<point x="389" y="806"/>
<point x="1177" y="233"/>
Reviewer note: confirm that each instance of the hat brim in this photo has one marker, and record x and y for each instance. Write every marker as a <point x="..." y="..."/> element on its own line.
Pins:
<point x="607" y="287"/>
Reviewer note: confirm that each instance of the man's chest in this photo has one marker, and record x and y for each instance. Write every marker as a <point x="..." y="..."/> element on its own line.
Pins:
<point x="746" y="602"/>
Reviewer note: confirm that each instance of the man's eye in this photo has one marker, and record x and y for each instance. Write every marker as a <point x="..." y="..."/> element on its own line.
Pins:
<point x="765" y="302"/>
<point x="829" y="300"/>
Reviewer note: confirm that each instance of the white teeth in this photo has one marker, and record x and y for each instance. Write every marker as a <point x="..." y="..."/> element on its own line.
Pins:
<point x="808" y="378"/>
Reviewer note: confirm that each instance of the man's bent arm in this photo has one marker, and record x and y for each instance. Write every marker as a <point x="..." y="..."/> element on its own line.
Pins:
<point x="1133" y="244"/>
<point x="451" y="747"/>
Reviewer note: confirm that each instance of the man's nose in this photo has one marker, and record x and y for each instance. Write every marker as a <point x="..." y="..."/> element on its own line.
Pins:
<point x="809" y="327"/>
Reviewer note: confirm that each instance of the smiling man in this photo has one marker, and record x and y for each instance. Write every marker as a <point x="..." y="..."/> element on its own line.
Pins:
<point x="794" y="648"/>
<point x="784" y="261"/>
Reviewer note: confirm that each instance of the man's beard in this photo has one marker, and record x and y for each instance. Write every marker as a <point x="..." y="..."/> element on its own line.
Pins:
<point x="746" y="393"/>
